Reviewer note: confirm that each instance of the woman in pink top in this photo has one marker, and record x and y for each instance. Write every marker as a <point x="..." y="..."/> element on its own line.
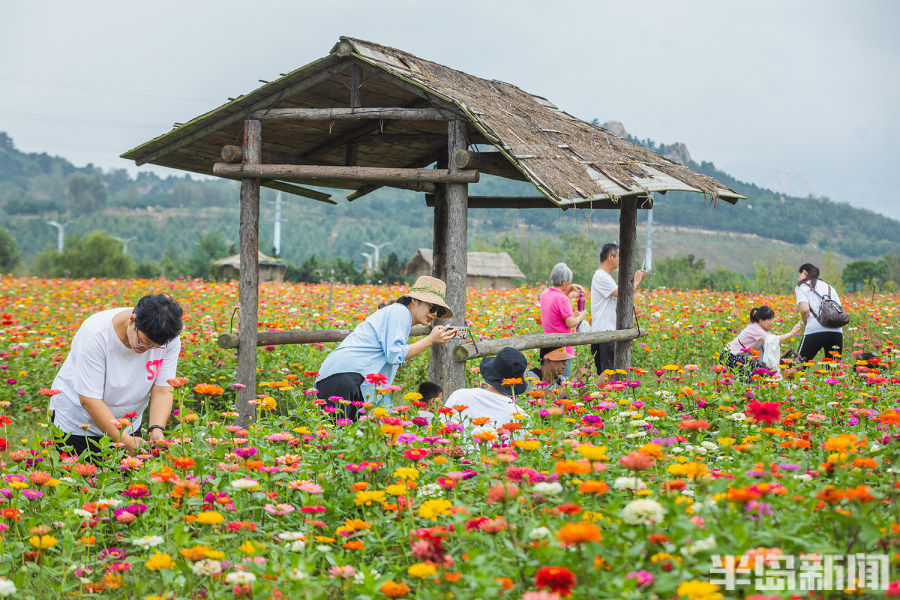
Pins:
<point x="557" y="315"/>
<point x="750" y="340"/>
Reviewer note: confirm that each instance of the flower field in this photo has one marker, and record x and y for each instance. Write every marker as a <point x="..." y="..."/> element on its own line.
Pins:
<point x="653" y="486"/>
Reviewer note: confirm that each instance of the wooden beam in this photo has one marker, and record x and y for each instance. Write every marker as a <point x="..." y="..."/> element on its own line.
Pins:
<point x="439" y="267"/>
<point x="312" y="173"/>
<point x="218" y="124"/>
<point x="248" y="284"/>
<point x="402" y="138"/>
<point x="492" y="163"/>
<point x="457" y="223"/>
<point x="352" y="114"/>
<point x="234" y="154"/>
<point x="351" y="157"/>
<point x="625" y="301"/>
<point x="419" y="163"/>
<point x="522" y="202"/>
<point x="468" y="351"/>
<point x="298" y="336"/>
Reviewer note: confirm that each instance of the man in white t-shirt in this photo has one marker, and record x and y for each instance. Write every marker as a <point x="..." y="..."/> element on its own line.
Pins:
<point x="120" y="362"/>
<point x="816" y="336"/>
<point x="604" y="296"/>
<point x="496" y="402"/>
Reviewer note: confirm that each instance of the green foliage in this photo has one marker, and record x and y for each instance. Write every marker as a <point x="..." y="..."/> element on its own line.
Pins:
<point x="209" y="247"/>
<point x="865" y="274"/>
<point x="94" y="255"/>
<point x="775" y="278"/>
<point x="85" y="194"/>
<point x="391" y="270"/>
<point x="9" y="252"/>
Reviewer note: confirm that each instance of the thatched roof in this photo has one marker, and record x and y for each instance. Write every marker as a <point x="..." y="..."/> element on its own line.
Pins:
<point x="479" y="264"/>
<point x="569" y="160"/>
<point x="235" y="261"/>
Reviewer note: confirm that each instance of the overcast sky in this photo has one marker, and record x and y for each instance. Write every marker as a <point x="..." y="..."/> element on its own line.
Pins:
<point x="800" y="96"/>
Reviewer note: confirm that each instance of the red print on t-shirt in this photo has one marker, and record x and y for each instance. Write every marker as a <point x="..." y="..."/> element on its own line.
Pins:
<point x="153" y="367"/>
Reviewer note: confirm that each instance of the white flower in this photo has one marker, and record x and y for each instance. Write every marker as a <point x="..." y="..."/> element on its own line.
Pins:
<point x="709" y="445"/>
<point x="737" y="416"/>
<point x="291" y="535"/>
<point x="548" y="488"/>
<point x="803" y="477"/>
<point x="639" y="423"/>
<point x="676" y="450"/>
<point x="651" y="418"/>
<point x="643" y="511"/>
<point x="240" y="578"/>
<point x="636" y="434"/>
<point x="430" y="489"/>
<point x="296" y="574"/>
<point x="297" y="546"/>
<point x="82" y="513"/>
<point x="629" y="483"/>
<point x="148" y="541"/>
<point x="539" y="533"/>
<point x="700" y="546"/>
<point x="699" y="450"/>
<point x="323" y="548"/>
<point x="874" y="447"/>
<point x="7" y="587"/>
<point x="245" y="483"/>
<point x="114" y="502"/>
<point x="207" y="567"/>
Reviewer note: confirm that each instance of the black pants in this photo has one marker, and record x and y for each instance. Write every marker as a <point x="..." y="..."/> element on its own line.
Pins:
<point x="732" y="361"/>
<point x="346" y="386"/>
<point x="604" y="356"/>
<point x="80" y="443"/>
<point x="824" y="340"/>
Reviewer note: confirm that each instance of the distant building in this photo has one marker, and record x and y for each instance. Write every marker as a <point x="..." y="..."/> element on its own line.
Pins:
<point x="270" y="269"/>
<point x="485" y="270"/>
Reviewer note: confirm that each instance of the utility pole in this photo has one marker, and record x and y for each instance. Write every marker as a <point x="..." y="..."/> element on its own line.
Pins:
<point x="276" y="236"/>
<point x="648" y="255"/>
<point x="376" y="250"/>
<point x="60" y="233"/>
<point x="124" y="242"/>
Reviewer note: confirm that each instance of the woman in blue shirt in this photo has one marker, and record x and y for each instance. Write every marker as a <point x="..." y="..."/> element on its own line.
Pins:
<point x="378" y="345"/>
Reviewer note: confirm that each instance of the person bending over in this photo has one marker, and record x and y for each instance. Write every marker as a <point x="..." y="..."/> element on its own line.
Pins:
<point x="119" y="363"/>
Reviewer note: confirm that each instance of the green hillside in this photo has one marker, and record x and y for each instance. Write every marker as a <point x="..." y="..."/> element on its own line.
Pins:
<point x="168" y="215"/>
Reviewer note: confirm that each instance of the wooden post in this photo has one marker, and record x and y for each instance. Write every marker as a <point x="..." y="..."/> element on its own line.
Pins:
<point x="625" y="302"/>
<point x="355" y="102"/>
<point x="437" y="352"/>
<point x="248" y="285"/>
<point x="455" y="256"/>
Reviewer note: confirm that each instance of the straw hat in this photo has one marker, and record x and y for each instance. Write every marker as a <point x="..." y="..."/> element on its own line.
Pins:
<point x="431" y="290"/>
<point x="555" y="354"/>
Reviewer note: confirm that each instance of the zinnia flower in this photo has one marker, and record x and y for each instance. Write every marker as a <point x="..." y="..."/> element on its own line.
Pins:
<point x="643" y="511"/>
<point x="560" y="580"/>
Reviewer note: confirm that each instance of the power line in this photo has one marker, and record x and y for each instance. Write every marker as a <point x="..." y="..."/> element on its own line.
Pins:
<point x="74" y="120"/>
<point x="100" y="91"/>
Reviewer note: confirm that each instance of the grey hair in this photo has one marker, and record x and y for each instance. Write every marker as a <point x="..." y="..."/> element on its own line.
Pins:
<point x="560" y="274"/>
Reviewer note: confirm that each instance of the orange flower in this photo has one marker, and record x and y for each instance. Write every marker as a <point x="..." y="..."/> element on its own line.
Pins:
<point x="572" y="467"/>
<point x="353" y="545"/>
<point x="209" y="389"/>
<point x="830" y="494"/>
<point x="177" y="382"/>
<point x="743" y="494"/>
<point x="593" y="487"/>
<point x="39" y="477"/>
<point x="85" y="470"/>
<point x="578" y="533"/>
<point x="185" y="488"/>
<point x="694" y="424"/>
<point x="392" y="589"/>
<point x="183" y="462"/>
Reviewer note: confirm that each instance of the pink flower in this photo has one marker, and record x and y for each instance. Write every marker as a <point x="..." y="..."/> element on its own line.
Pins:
<point x="377" y="378"/>
<point x="279" y="509"/>
<point x="344" y="572"/>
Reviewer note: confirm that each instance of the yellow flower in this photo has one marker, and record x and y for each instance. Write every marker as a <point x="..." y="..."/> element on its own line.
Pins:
<point x="432" y="509"/>
<point x="591" y="452"/>
<point x="366" y="498"/>
<point x="250" y="548"/>
<point x="699" y="590"/>
<point x="42" y="542"/>
<point x="210" y="517"/>
<point x="18" y="484"/>
<point x="726" y="441"/>
<point x="159" y="561"/>
<point x="406" y="473"/>
<point x="412" y="396"/>
<point x="421" y="570"/>
<point x="398" y="489"/>
<point x="526" y="444"/>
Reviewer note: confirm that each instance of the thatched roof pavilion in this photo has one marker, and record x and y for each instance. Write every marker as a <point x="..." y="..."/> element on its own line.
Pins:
<point x="483" y="269"/>
<point x="367" y="116"/>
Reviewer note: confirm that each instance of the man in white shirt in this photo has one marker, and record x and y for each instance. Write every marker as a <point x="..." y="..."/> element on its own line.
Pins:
<point x="497" y="402"/>
<point x="120" y="362"/>
<point x="809" y="293"/>
<point x="604" y="295"/>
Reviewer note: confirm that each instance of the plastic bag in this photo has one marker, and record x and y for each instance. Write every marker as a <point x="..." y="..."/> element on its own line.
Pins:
<point x="771" y="354"/>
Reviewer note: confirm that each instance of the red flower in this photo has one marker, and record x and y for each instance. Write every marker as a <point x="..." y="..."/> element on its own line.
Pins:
<point x="3" y="445"/>
<point x="48" y="392"/>
<point x="377" y="378"/>
<point x="560" y="580"/>
<point x="764" y="411"/>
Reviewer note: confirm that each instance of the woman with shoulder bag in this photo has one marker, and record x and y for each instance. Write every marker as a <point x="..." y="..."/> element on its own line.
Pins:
<point x="821" y="310"/>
